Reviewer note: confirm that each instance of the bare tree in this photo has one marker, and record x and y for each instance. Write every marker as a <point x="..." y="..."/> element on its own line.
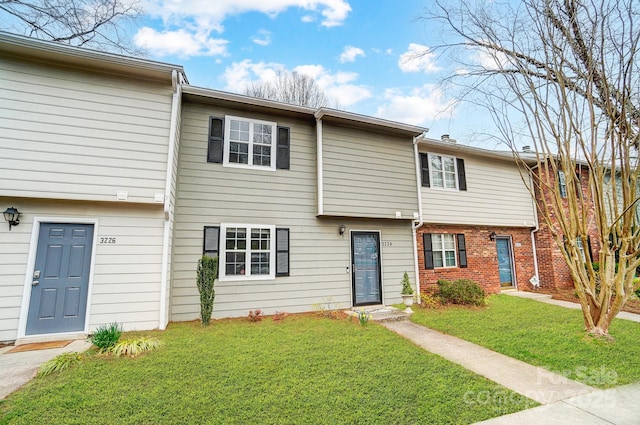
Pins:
<point x="564" y="75"/>
<point x="97" y="24"/>
<point x="290" y="87"/>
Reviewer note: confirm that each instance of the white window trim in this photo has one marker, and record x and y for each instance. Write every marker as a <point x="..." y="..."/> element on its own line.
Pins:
<point x="455" y="173"/>
<point x="247" y="276"/>
<point x="442" y="250"/>
<point x="227" y="143"/>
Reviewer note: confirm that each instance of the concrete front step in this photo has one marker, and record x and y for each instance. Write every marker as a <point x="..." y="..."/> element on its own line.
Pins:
<point x="381" y="313"/>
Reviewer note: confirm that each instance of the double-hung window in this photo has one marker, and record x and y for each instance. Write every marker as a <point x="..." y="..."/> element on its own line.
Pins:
<point x="248" y="251"/>
<point x="443" y="250"/>
<point x="248" y="143"/>
<point x="562" y="184"/>
<point x="442" y="172"/>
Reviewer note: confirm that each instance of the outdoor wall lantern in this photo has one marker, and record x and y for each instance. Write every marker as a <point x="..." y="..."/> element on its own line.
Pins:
<point x="492" y="236"/>
<point x="12" y="215"/>
<point x="341" y="229"/>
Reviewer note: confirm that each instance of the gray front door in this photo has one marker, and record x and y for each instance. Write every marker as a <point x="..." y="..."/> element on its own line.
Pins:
<point x="365" y="253"/>
<point x="60" y="279"/>
<point x="505" y="265"/>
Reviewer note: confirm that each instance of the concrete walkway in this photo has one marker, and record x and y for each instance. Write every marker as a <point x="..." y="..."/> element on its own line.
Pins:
<point x="16" y="369"/>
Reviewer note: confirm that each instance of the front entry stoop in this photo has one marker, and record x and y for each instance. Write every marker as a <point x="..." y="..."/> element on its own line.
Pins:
<point x="382" y="313"/>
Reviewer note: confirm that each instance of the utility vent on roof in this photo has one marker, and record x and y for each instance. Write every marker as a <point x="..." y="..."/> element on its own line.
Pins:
<point x="526" y="149"/>
<point x="446" y="138"/>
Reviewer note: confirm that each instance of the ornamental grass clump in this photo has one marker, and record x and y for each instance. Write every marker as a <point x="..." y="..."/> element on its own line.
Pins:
<point x="134" y="347"/>
<point x="106" y="336"/>
<point x="59" y="363"/>
<point x="207" y="274"/>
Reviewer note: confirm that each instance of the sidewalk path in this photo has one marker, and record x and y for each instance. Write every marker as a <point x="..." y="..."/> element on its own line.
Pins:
<point x="533" y="382"/>
<point x="16" y="369"/>
<point x="546" y="298"/>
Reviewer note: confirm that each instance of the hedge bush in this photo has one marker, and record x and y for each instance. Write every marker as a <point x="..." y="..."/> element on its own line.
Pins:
<point x="461" y="291"/>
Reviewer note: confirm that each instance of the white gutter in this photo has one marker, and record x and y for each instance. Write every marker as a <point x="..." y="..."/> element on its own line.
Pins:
<point x="176" y="81"/>
<point x="533" y="238"/>
<point x="415" y="226"/>
<point x="320" y="166"/>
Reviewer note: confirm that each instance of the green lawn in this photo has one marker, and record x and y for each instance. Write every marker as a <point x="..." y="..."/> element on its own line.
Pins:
<point x="304" y="370"/>
<point x="544" y="335"/>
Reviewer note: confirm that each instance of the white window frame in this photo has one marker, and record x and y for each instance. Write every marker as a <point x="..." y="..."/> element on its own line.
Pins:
<point x="222" y="270"/>
<point x="227" y="143"/>
<point x="562" y="184"/>
<point x="581" y="249"/>
<point x="443" y="251"/>
<point x="432" y="172"/>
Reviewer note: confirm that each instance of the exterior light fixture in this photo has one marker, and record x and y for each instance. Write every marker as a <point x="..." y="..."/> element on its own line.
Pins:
<point x="341" y="229"/>
<point x="492" y="236"/>
<point x="12" y="216"/>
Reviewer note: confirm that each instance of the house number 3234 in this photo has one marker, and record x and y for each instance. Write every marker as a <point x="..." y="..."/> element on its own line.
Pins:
<point x="108" y="240"/>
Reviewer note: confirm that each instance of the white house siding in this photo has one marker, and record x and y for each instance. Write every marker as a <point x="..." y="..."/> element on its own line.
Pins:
<point x="126" y="275"/>
<point x="71" y="134"/>
<point x="495" y="195"/>
<point x="367" y="174"/>
<point x="210" y="194"/>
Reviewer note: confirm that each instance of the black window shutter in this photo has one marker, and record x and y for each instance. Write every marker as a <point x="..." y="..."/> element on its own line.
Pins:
<point x="211" y="243"/>
<point x="282" y="252"/>
<point x="462" y="177"/>
<point x="590" y="253"/>
<point x="424" y="169"/>
<point x="462" y="251"/>
<point x="428" y="251"/>
<point x="283" y="149"/>
<point x="216" y="139"/>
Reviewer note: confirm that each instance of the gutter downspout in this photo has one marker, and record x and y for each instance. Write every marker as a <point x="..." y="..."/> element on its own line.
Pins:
<point x="416" y="225"/>
<point x="533" y="240"/>
<point x="176" y="81"/>
<point x="319" y="164"/>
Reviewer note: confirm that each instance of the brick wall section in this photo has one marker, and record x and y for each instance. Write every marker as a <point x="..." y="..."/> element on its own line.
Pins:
<point x="552" y="268"/>
<point x="482" y="257"/>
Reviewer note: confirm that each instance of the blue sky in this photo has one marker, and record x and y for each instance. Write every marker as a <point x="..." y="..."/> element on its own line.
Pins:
<point x="367" y="55"/>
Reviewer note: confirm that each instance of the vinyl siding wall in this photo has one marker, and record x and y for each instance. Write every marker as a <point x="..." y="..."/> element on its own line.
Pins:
<point x="367" y="174"/>
<point x="210" y="194"/>
<point x="126" y="275"/>
<point x="69" y="134"/>
<point x="495" y="195"/>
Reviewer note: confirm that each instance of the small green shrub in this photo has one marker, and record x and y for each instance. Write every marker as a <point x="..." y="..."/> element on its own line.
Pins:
<point x="406" y="285"/>
<point x="106" y="336"/>
<point x="363" y="317"/>
<point x="461" y="291"/>
<point x="207" y="273"/>
<point x="59" y="363"/>
<point x="134" y="347"/>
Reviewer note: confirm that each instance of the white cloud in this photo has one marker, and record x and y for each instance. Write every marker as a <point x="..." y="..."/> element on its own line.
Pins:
<point x="180" y="43"/>
<point x="307" y="19"/>
<point x="418" y="58"/>
<point x="350" y="53"/>
<point x="419" y="107"/>
<point x="340" y="86"/>
<point x="263" y="38"/>
<point x="199" y="18"/>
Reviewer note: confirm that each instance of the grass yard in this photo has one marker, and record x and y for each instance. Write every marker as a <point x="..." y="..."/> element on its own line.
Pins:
<point x="544" y="335"/>
<point x="303" y="370"/>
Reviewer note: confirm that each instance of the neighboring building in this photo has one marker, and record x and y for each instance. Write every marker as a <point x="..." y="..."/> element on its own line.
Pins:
<point x="304" y="207"/>
<point x="479" y="219"/>
<point x="87" y="143"/>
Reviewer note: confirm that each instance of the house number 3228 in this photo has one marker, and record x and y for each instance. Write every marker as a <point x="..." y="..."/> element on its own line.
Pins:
<point x="108" y="240"/>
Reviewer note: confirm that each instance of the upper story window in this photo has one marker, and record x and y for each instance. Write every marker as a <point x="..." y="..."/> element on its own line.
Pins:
<point x="443" y="172"/>
<point x="248" y="143"/>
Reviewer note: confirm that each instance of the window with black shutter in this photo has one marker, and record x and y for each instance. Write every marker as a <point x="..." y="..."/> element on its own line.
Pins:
<point x="428" y="251"/>
<point x="424" y="169"/>
<point x="462" y="251"/>
<point x="216" y="140"/>
<point x="462" y="176"/>
<point x="211" y="245"/>
<point x="283" y="151"/>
